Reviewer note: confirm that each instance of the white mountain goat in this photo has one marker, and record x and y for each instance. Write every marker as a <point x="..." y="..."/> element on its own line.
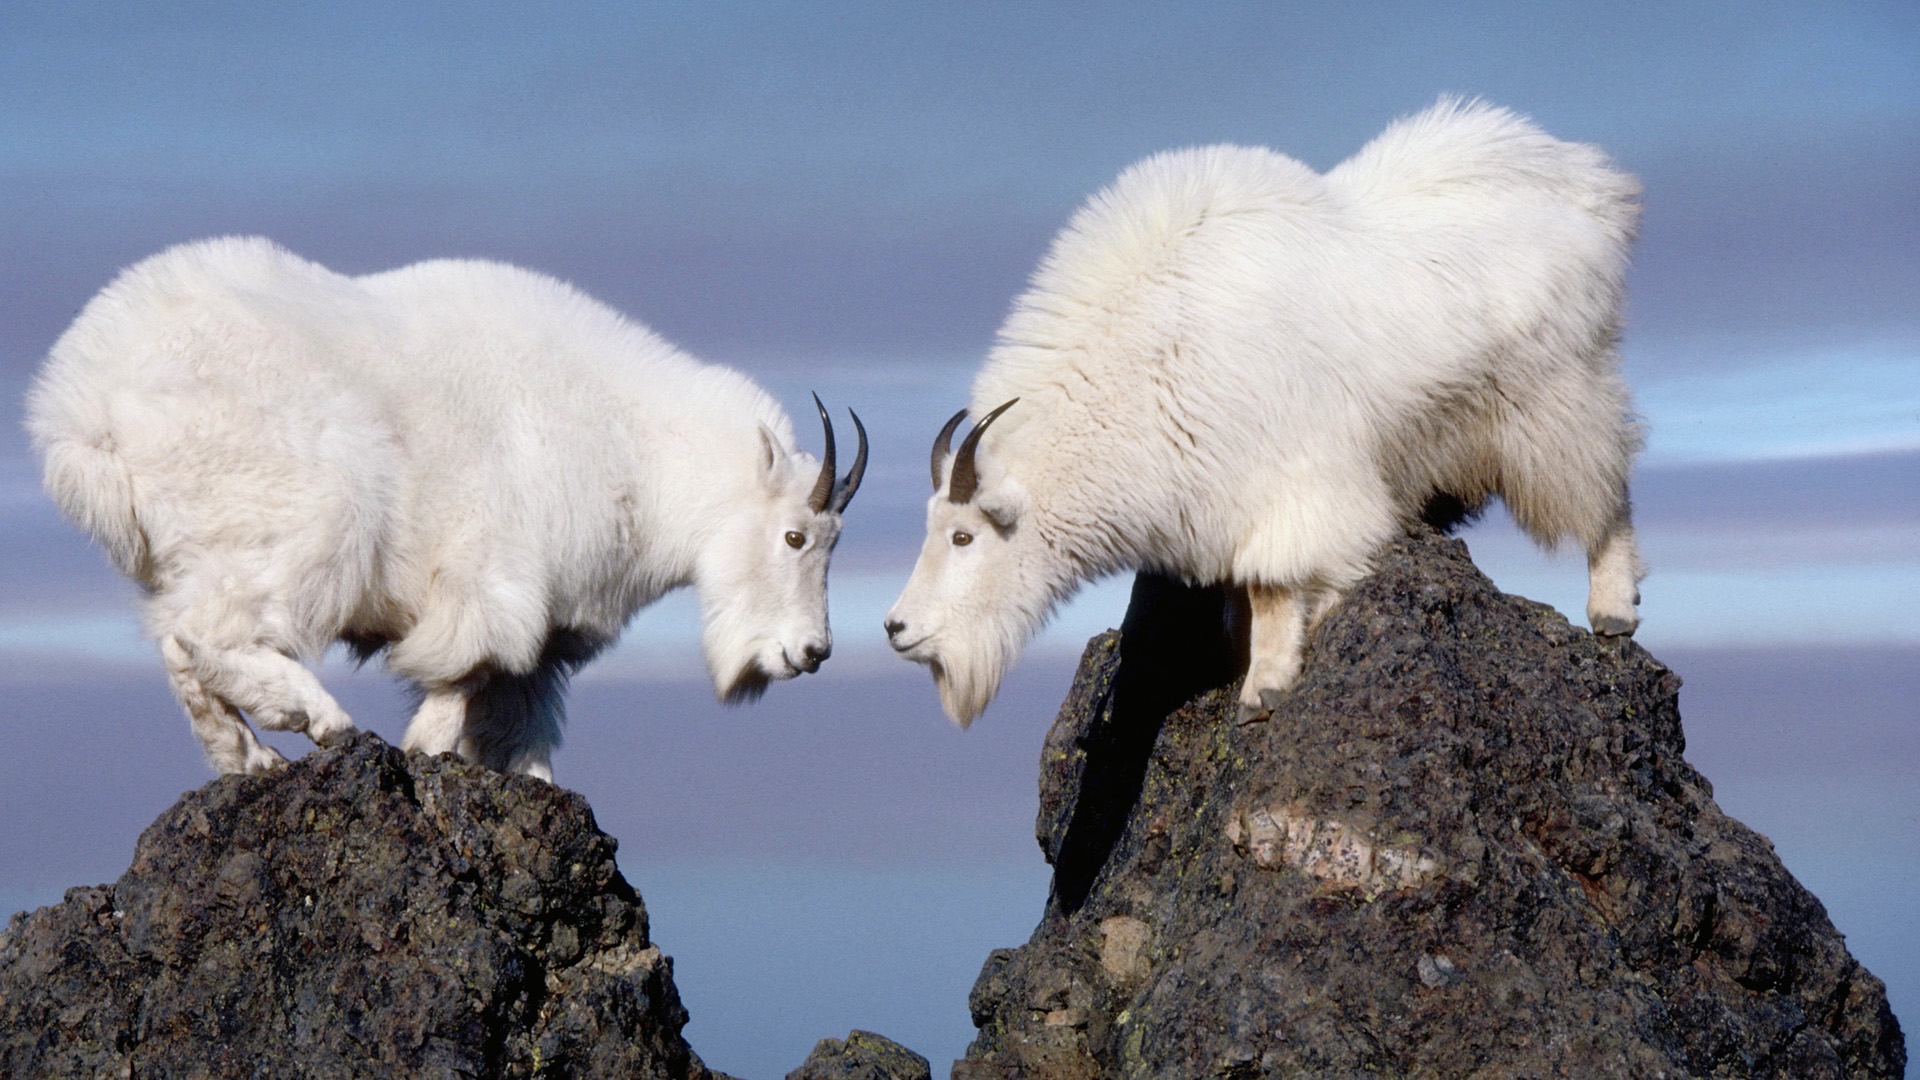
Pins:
<point x="475" y="468"/>
<point x="1231" y="369"/>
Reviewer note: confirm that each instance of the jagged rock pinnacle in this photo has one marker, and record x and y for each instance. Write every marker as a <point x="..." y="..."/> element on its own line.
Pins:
<point x="1466" y="843"/>
<point x="362" y="913"/>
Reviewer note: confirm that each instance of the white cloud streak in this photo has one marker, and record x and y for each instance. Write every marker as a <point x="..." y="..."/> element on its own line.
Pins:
<point x="1853" y="399"/>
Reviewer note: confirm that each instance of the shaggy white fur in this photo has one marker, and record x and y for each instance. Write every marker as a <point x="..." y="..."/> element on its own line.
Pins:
<point x="1232" y="369"/>
<point x="475" y="468"/>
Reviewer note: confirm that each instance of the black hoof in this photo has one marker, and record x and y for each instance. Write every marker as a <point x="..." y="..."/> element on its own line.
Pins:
<point x="1614" y="626"/>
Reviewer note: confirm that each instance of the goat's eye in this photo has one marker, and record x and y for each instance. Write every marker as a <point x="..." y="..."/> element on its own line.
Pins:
<point x="796" y="539"/>
<point x="962" y="538"/>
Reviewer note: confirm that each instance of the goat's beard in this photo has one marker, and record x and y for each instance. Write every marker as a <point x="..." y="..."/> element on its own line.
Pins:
<point x="746" y="685"/>
<point x="736" y="654"/>
<point x="969" y="666"/>
<point x="734" y="663"/>
<point x="968" y="679"/>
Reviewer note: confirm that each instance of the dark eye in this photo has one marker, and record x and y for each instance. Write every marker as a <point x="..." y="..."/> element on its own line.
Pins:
<point x="962" y="538"/>
<point x="796" y="540"/>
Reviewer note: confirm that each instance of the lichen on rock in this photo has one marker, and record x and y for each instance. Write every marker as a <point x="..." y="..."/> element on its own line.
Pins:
<point x="1465" y="843"/>
<point x="362" y="913"/>
<point x="862" y="1055"/>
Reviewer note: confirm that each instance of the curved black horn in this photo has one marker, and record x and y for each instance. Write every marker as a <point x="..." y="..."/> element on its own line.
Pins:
<point x="843" y="491"/>
<point x="823" y="487"/>
<point x="960" y="488"/>
<point x="943" y="445"/>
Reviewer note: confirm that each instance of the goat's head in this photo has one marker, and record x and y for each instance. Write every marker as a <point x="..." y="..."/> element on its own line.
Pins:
<point x="764" y="589"/>
<point x="984" y="582"/>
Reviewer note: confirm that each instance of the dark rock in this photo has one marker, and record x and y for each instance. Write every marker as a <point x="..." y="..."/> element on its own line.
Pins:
<point x="1465" y="844"/>
<point x="863" y="1056"/>
<point x="364" y="913"/>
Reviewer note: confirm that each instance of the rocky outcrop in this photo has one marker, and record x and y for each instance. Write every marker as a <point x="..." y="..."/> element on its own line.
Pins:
<point x="862" y="1055"/>
<point x="1466" y="844"/>
<point x="363" y="913"/>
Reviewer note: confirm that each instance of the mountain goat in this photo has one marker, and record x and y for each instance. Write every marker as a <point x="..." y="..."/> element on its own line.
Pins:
<point x="1231" y="369"/>
<point x="471" y="467"/>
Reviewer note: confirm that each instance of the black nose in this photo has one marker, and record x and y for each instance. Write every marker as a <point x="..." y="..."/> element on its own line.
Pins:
<point x="894" y="626"/>
<point x="816" y="653"/>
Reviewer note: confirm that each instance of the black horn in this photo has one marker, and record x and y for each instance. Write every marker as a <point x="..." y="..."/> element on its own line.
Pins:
<point x="823" y="487"/>
<point x="943" y="445"/>
<point x="843" y="491"/>
<point x="961" y="486"/>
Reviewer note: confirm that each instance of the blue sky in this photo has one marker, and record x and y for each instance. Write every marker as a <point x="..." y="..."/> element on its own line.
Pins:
<point x="845" y="197"/>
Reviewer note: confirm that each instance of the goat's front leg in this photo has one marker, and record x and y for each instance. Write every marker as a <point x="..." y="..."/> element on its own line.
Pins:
<point x="1276" y="642"/>
<point x="440" y="722"/>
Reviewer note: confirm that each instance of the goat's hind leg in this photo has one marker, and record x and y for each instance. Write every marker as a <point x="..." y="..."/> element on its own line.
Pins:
<point x="1613" y="581"/>
<point x="276" y="690"/>
<point x="1564" y="464"/>
<point x="230" y="744"/>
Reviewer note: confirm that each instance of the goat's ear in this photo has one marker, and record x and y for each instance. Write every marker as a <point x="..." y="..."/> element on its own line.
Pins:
<point x="770" y="455"/>
<point x="1004" y="505"/>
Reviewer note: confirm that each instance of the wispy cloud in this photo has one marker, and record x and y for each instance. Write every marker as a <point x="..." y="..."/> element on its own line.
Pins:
<point x="1735" y="586"/>
<point x="1823" y="401"/>
<point x="86" y="636"/>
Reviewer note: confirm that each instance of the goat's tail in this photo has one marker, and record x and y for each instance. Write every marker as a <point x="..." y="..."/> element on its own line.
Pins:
<point x="86" y="476"/>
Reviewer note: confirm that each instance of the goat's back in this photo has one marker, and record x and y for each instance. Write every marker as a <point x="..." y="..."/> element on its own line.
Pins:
<point x="1223" y="320"/>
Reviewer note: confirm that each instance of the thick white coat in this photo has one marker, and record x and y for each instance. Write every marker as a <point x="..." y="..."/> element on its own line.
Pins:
<point x="1233" y="369"/>
<point x="474" y="467"/>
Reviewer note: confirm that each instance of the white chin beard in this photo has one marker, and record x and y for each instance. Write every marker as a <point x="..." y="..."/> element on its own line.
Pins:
<point x="746" y="686"/>
<point x="963" y="700"/>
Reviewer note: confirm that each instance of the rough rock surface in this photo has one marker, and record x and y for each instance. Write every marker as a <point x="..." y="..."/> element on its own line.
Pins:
<point x="1466" y="844"/>
<point x="364" y="913"/>
<point x="862" y="1056"/>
